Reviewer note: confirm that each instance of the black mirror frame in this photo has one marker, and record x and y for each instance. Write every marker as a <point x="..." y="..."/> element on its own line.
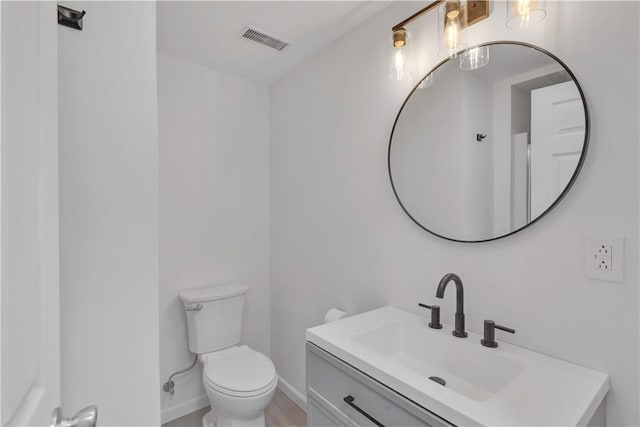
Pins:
<point x="569" y="184"/>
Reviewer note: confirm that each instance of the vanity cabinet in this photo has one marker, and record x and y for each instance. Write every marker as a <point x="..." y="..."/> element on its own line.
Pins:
<point x="330" y="381"/>
<point x="355" y="358"/>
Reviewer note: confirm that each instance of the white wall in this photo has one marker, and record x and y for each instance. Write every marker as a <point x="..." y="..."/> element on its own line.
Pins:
<point x="478" y="159"/>
<point x="427" y="148"/>
<point x="30" y="276"/>
<point x="339" y="237"/>
<point x="109" y="213"/>
<point x="214" y="208"/>
<point x="20" y="240"/>
<point x="422" y="151"/>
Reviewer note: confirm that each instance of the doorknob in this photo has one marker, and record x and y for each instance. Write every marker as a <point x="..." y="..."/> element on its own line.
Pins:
<point x="86" y="417"/>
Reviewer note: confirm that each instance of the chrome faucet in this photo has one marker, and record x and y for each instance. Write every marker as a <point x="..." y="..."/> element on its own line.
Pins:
<point x="459" y="324"/>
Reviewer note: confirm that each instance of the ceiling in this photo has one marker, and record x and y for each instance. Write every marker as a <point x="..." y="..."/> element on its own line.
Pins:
<point x="208" y="32"/>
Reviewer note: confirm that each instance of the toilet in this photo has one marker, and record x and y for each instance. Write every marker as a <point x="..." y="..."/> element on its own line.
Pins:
<point x="239" y="381"/>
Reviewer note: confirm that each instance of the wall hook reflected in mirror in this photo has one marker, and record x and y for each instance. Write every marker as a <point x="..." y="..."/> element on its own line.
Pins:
<point x="480" y="137"/>
<point x="70" y="18"/>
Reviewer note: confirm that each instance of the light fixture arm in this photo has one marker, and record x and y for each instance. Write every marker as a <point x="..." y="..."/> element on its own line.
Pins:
<point x="416" y="15"/>
<point x="477" y="11"/>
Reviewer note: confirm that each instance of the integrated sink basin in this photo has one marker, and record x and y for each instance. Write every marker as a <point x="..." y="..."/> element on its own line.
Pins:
<point x="468" y="369"/>
<point x="459" y="379"/>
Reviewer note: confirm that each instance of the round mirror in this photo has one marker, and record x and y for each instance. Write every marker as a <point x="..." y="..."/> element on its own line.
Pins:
<point x="488" y="142"/>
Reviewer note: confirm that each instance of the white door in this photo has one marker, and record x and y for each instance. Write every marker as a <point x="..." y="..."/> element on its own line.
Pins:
<point x="30" y="333"/>
<point x="557" y="139"/>
<point x="520" y="180"/>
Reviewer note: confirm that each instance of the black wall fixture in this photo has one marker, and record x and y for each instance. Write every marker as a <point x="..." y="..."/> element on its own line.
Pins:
<point x="70" y="18"/>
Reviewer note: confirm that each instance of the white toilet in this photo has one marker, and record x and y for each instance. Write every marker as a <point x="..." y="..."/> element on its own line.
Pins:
<point x="239" y="381"/>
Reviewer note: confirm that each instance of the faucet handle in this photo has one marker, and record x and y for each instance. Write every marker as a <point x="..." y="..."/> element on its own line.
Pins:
<point x="435" y="315"/>
<point x="490" y="327"/>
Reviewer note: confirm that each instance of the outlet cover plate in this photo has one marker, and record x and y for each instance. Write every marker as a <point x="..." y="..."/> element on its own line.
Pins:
<point x="593" y="254"/>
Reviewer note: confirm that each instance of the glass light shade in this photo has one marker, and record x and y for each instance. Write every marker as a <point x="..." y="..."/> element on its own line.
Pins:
<point x="452" y="19"/>
<point x="426" y="82"/>
<point x="474" y="58"/>
<point x="400" y="57"/>
<point x="522" y="14"/>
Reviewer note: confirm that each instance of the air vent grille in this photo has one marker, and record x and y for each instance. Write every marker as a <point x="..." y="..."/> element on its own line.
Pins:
<point x="264" y="39"/>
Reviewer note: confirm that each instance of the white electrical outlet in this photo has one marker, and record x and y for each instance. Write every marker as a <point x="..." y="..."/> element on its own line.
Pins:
<point x="604" y="258"/>
<point x="604" y="250"/>
<point x="603" y="264"/>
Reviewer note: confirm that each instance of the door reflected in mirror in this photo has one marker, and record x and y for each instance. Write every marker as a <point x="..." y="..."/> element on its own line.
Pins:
<point x="476" y="155"/>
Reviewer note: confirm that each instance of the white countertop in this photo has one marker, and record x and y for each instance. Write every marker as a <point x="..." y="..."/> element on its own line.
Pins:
<point x="505" y="386"/>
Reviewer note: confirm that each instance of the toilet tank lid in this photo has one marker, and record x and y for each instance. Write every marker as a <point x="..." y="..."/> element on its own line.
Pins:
<point x="213" y="293"/>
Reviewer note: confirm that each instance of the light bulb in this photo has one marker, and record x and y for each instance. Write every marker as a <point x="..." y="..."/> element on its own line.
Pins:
<point x="522" y="8"/>
<point x="451" y="20"/>
<point x="523" y="14"/>
<point x="400" y="56"/>
<point x="452" y="34"/>
<point x="399" y="65"/>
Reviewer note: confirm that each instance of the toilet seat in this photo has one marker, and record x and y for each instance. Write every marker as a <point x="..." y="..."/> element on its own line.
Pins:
<point x="239" y="372"/>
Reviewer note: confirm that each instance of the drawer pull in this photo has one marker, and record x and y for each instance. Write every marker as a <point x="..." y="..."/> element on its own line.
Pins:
<point x="349" y="399"/>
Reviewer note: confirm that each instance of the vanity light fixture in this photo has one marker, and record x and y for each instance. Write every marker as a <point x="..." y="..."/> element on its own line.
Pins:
<point x="453" y="17"/>
<point x="400" y="57"/>
<point x="523" y="14"/>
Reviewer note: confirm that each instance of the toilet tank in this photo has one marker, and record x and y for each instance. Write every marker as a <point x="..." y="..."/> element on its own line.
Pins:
<point x="214" y="316"/>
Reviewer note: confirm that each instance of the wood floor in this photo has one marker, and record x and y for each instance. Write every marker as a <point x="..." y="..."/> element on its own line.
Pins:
<point x="281" y="412"/>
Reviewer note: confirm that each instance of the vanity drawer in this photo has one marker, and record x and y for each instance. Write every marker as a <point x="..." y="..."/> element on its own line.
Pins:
<point x="318" y="416"/>
<point x="329" y="381"/>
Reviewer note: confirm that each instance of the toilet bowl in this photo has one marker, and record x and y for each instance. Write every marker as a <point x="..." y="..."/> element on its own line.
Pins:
<point x="240" y="382"/>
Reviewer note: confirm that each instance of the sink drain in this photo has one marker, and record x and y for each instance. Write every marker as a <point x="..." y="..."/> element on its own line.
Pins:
<point x="438" y="380"/>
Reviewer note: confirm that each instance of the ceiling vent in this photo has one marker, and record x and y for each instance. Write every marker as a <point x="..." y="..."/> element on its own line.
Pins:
<point x="261" y="37"/>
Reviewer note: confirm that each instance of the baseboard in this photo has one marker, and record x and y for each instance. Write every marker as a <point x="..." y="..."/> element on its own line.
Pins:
<point x="292" y="393"/>
<point x="183" y="408"/>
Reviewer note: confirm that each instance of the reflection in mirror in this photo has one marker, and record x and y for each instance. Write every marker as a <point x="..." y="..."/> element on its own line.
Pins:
<point x="479" y="154"/>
